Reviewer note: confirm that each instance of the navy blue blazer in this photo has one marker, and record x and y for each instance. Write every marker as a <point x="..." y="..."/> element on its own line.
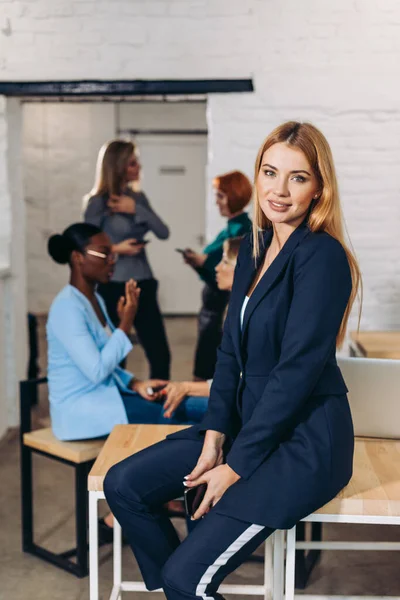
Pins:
<point x="277" y="392"/>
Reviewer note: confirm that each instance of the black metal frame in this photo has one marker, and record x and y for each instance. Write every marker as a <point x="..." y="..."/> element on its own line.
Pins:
<point x="128" y="87"/>
<point x="28" y="391"/>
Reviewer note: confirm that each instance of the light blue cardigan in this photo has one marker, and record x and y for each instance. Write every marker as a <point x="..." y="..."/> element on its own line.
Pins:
<point x="85" y="380"/>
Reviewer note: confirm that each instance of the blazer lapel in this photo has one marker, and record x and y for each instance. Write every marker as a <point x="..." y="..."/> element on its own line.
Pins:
<point x="97" y="328"/>
<point x="273" y="272"/>
<point x="241" y="286"/>
<point x="105" y="313"/>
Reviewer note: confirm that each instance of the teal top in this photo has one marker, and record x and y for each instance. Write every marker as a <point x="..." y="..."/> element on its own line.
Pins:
<point x="237" y="226"/>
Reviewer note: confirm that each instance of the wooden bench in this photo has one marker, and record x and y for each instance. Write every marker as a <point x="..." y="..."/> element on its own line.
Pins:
<point x="45" y="442"/>
<point x="124" y="441"/>
<point x="80" y="455"/>
<point x="375" y="344"/>
<point x="371" y="497"/>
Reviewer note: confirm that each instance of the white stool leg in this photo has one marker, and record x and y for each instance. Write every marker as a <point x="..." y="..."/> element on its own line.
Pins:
<point x="290" y="563"/>
<point x="268" y="569"/>
<point x="117" y="556"/>
<point x="93" y="548"/>
<point x="279" y="558"/>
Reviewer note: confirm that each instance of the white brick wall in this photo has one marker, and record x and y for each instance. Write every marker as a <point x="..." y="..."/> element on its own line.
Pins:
<point x="60" y="146"/>
<point x="13" y="312"/>
<point x="335" y="64"/>
<point x="5" y="200"/>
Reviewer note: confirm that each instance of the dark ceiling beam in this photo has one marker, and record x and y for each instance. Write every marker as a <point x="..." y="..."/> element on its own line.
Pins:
<point x="125" y="88"/>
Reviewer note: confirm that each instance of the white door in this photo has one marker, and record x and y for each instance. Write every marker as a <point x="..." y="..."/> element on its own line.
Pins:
<point x="174" y="181"/>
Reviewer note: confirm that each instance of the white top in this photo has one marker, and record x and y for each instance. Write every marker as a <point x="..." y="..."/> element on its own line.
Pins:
<point x="245" y="301"/>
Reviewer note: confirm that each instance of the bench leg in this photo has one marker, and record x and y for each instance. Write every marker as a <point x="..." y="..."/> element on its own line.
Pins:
<point x="93" y="547"/>
<point x="305" y="562"/>
<point x="81" y="473"/>
<point x="26" y="499"/>
<point x="290" y="563"/>
<point x="117" y="560"/>
<point x="279" y="558"/>
<point x="268" y="569"/>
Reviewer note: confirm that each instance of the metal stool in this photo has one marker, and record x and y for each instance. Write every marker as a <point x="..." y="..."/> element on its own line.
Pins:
<point x="80" y="456"/>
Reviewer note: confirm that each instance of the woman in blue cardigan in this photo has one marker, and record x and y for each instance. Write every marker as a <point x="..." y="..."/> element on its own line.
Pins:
<point x="89" y="393"/>
<point x="277" y="441"/>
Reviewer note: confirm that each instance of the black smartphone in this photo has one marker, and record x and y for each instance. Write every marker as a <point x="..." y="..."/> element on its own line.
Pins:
<point x="180" y="250"/>
<point x="140" y="242"/>
<point x="193" y="498"/>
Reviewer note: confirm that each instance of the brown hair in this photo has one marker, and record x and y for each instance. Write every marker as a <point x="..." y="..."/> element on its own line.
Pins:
<point x="326" y="214"/>
<point x="111" y="166"/>
<point x="237" y="187"/>
<point x="231" y="247"/>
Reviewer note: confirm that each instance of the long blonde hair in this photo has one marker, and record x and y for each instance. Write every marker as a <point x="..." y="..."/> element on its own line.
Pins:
<point x="326" y="214"/>
<point x="111" y="166"/>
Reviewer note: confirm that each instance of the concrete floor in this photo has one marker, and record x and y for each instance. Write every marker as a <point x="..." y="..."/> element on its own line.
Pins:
<point x="24" y="577"/>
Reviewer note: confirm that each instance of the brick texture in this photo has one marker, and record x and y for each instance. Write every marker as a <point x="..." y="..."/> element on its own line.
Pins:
<point x="334" y="64"/>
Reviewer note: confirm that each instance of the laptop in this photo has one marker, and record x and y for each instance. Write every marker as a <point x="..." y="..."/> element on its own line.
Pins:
<point x="374" y="395"/>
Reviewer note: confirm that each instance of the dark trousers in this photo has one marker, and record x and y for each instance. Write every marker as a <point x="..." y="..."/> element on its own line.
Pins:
<point x="211" y="316"/>
<point x="148" y="323"/>
<point x="136" y="490"/>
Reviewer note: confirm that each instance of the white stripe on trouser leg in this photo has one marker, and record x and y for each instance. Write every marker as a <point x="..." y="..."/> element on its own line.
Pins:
<point x="233" y="549"/>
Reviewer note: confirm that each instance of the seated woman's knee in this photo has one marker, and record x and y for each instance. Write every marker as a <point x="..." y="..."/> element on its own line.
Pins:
<point x="112" y="482"/>
<point x="119" y="484"/>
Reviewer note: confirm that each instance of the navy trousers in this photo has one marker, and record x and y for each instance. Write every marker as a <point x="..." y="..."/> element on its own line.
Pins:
<point x="136" y="490"/>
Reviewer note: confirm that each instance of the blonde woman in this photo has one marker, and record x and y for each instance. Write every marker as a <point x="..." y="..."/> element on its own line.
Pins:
<point x="126" y="217"/>
<point x="277" y="441"/>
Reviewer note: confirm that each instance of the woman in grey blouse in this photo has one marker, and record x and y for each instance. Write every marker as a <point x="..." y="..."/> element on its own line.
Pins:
<point x="126" y="217"/>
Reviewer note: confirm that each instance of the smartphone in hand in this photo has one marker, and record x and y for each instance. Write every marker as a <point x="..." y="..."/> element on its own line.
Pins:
<point x="155" y="389"/>
<point x="193" y="498"/>
<point x="180" y="250"/>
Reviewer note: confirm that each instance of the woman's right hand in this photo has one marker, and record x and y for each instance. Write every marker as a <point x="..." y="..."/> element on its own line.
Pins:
<point x="122" y="204"/>
<point x="128" y="305"/>
<point x="128" y="247"/>
<point x="211" y="456"/>
<point x="194" y="259"/>
<point x="175" y="392"/>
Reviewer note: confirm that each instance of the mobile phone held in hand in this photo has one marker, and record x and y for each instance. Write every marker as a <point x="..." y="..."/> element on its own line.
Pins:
<point x="193" y="498"/>
<point x="140" y="242"/>
<point x="180" y="250"/>
<point x="155" y="389"/>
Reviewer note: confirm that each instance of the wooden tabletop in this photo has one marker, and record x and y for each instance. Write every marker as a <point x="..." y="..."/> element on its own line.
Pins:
<point x="123" y="441"/>
<point x="377" y="344"/>
<point x="374" y="488"/>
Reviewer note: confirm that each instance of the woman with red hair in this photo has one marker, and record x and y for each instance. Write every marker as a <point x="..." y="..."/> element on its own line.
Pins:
<point x="233" y="193"/>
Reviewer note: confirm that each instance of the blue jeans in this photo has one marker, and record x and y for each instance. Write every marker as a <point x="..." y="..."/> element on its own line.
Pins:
<point x="139" y="410"/>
